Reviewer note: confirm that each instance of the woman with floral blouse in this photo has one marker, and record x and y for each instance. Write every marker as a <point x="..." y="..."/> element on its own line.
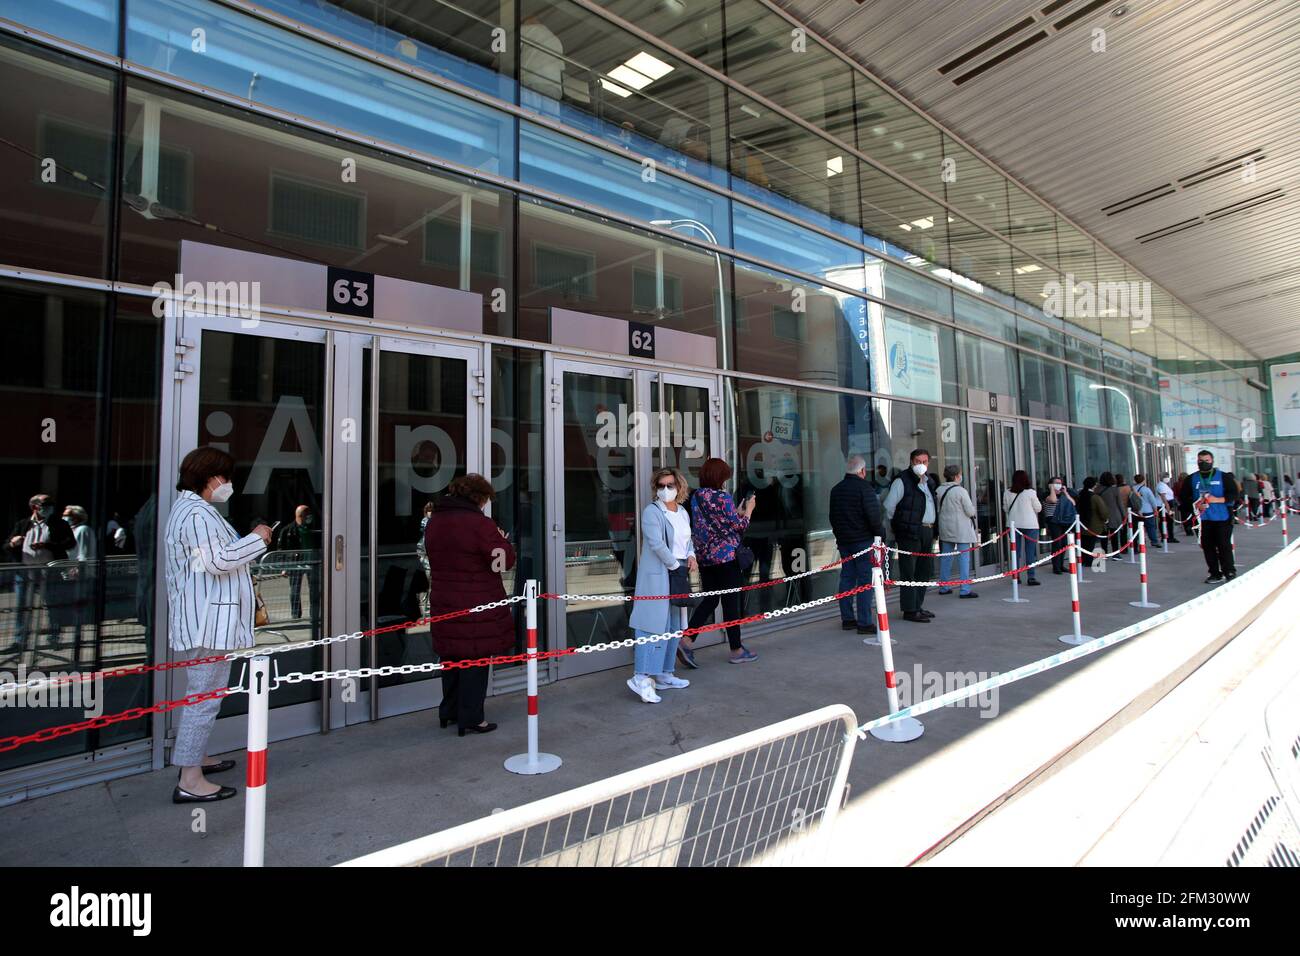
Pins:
<point x="717" y="526"/>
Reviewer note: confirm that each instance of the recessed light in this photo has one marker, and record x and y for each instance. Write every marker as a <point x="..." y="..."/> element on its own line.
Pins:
<point x="1119" y="11"/>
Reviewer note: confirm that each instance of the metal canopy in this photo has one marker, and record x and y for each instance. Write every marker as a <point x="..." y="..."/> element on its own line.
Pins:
<point x="1147" y="144"/>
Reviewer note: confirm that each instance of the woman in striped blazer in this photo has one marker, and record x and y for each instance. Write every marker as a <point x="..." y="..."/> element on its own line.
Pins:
<point x="210" y="608"/>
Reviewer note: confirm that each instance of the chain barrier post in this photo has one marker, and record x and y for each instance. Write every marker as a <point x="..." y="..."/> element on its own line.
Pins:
<point x="1284" y="535"/>
<point x="878" y="555"/>
<point x="1133" y="521"/>
<point x="1164" y="520"/>
<point x="1015" y="570"/>
<point x="532" y="762"/>
<point x="259" y="708"/>
<point x="1077" y="637"/>
<point x="905" y="728"/>
<point x="1080" y="580"/>
<point x="1142" y="565"/>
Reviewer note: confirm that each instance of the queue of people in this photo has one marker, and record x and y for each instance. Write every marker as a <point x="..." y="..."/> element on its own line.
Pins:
<point x="683" y="530"/>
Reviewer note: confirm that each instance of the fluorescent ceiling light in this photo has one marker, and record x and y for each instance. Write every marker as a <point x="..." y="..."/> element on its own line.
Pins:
<point x="904" y="226"/>
<point x="1028" y="267"/>
<point x="926" y="222"/>
<point x="746" y="108"/>
<point x="629" y="77"/>
<point x="651" y="66"/>
<point x="614" y="88"/>
<point x="878" y="131"/>
<point x="834" y="165"/>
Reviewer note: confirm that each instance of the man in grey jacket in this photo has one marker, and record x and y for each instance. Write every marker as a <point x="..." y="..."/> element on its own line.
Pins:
<point x="957" y="530"/>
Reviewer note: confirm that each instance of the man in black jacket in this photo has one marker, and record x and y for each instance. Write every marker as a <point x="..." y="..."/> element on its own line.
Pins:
<point x="911" y="512"/>
<point x="35" y="541"/>
<point x="855" y="520"/>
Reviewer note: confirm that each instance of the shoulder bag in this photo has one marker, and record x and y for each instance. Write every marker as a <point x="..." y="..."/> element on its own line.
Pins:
<point x="679" y="578"/>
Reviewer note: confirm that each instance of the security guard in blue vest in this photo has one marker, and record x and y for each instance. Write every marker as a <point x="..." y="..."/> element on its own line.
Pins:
<point x="1213" y="494"/>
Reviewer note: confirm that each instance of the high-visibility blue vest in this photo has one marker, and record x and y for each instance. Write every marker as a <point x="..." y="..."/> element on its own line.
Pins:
<point x="1213" y="486"/>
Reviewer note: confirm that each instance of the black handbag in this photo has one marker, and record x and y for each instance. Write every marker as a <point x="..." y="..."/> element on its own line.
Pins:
<point x="744" y="558"/>
<point x="679" y="578"/>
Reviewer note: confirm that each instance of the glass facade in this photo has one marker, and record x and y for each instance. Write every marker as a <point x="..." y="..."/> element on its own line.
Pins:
<point x="689" y="174"/>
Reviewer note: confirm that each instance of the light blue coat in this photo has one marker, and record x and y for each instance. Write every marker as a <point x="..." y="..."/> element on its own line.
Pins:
<point x="656" y="558"/>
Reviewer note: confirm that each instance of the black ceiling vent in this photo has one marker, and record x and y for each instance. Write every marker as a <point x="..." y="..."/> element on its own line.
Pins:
<point x="1212" y="171"/>
<point x="1015" y="39"/>
<point x="1243" y="204"/>
<point x="1171" y="230"/>
<point x="1214" y="215"/>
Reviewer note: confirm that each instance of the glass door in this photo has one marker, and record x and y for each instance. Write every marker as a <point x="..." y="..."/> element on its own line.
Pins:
<point x="1048" y="457"/>
<point x="610" y="427"/>
<point x="340" y="440"/>
<point x="420" y="428"/>
<point x="995" y="456"/>
<point x="262" y="392"/>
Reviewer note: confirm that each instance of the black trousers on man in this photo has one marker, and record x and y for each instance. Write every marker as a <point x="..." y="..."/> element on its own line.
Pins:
<point x="1216" y="542"/>
<point x="912" y="568"/>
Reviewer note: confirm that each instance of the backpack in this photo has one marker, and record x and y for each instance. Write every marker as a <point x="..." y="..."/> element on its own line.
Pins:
<point x="1134" y="501"/>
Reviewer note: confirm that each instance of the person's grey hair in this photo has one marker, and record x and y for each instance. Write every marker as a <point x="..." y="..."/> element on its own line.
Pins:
<point x="855" y="464"/>
<point x="951" y="472"/>
<point x="77" y="512"/>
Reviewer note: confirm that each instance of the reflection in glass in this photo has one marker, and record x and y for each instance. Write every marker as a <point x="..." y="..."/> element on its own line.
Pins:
<point x="422" y="447"/>
<point x="600" y="537"/>
<point x="260" y="399"/>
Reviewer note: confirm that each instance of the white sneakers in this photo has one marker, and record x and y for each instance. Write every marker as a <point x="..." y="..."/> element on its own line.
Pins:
<point x="666" y="681"/>
<point x="645" y="686"/>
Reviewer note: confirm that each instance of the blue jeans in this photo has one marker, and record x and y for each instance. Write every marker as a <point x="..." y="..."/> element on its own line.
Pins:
<point x="659" y="657"/>
<point x="947" y="554"/>
<point x="1152" y="535"/>
<point x="854" y="574"/>
<point x="1027" y="549"/>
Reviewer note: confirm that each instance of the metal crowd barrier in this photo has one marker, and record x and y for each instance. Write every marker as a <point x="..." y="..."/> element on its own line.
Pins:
<point x="765" y="797"/>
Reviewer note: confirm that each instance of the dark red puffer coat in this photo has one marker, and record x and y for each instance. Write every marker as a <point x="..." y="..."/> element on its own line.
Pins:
<point x="463" y="544"/>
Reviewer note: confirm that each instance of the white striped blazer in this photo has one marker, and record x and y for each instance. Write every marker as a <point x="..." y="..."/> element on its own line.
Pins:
<point x="209" y="589"/>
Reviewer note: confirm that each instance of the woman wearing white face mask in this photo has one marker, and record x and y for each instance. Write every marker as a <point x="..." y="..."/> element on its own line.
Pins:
<point x="210" y="608"/>
<point x="666" y="547"/>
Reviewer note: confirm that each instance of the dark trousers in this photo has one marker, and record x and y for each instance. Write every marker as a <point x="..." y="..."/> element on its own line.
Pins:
<point x="463" y="691"/>
<point x="1216" y="542"/>
<point x="715" y="577"/>
<point x="1087" y="544"/>
<point x="912" y="568"/>
<point x="1055" y="530"/>
<point x="1170" y="523"/>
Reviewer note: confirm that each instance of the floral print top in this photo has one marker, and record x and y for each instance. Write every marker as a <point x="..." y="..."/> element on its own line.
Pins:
<point x="716" y="526"/>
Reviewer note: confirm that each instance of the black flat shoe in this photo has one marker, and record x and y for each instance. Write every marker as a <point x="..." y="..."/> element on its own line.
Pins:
<point x="444" y="722"/>
<point x="848" y="625"/>
<point x="866" y="629"/>
<point x="184" y="796"/>
<point x="478" y="729"/>
<point x="220" y="766"/>
<point x="916" y="618"/>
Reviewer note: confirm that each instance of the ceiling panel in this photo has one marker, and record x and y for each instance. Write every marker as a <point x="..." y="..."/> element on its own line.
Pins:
<point x="1183" y="93"/>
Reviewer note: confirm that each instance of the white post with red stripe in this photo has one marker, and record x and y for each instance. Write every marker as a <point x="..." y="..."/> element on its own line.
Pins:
<point x="1079" y="579"/>
<point x="1015" y="569"/>
<point x="905" y="728"/>
<point x="1282" y="505"/>
<point x="259" y="710"/>
<point x="1078" y="637"/>
<point x="1134" y="519"/>
<point x="532" y="762"/>
<point x="878" y="555"/>
<point x="1142" y="566"/>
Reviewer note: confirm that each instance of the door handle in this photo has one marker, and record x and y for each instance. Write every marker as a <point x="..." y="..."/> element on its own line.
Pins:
<point x="338" y="552"/>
